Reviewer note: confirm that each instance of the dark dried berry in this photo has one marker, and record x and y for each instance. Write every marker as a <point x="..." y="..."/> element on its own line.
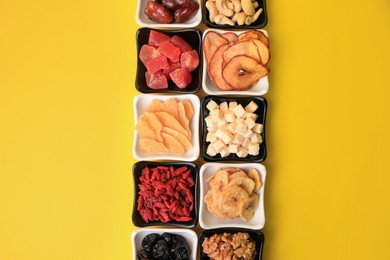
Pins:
<point x="161" y="250"/>
<point x="149" y="241"/>
<point x="143" y="255"/>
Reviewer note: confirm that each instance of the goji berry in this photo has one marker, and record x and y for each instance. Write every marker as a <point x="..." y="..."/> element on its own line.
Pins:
<point x="144" y="216"/>
<point x="186" y="174"/>
<point x="182" y="219"/>
<point x="190" y="182"/>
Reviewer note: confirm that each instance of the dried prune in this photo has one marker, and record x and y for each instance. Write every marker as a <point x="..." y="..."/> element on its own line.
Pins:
<point x="177" y="238"/>
<point x="143" y="255"/>
<point x="149" y="241"/>
<point x="161" y="250"/>
<point x="180" y="253"/>
<point x="168" y="238"/>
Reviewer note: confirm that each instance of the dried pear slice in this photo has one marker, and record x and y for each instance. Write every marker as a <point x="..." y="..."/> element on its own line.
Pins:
<point x="242" y="72"/>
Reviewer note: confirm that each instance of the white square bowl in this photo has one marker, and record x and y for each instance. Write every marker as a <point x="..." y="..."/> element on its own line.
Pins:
<point x="190" y="236"/>
<point x="208" y="220"/>
<point x="144" y="21"/>
<point x="259" y="89"/>
<point x="140" y="103"/>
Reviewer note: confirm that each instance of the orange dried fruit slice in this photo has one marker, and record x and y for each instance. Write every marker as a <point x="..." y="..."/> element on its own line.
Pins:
<point x="188" y="108"/>
<point x="173" y="145"/>
<point x="155" y="105"/>
<point x="144" y="129"/>
<point x="179" y="137"/>
<point x="154" y="123"/>
<point x="152" y="146"/>
<point x="170" y="106"/>
<point x="185" y="123"/>
<point x="169" y="121"/>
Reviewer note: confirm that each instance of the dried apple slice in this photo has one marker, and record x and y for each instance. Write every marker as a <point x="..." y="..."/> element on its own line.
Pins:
<point x="248" y="48"/>
<point x="211" y="42"/>
<point x="263" y="51"/>
<point x="215" y="69"/>
<point x="242" y="72"/>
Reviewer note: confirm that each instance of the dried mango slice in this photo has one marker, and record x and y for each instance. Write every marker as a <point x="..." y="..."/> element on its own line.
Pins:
<point x="173" y="144"/>
<point x="170" y="121"/>
<point x="152" y="146"/>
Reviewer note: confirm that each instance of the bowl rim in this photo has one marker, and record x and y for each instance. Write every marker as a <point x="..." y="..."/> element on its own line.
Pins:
<point x="203" y="131"/>
<point x="202" y="207"/>
<point x="194" y="120"/>
<point x="208" y="88"/>
<point x="207" y="232"/>
<point x="151" y="24"/>
<point x="198" y="34"/>
<point x="189" y="224"/>
<point x="206" y="20"/>
<point x="190" y="232"/>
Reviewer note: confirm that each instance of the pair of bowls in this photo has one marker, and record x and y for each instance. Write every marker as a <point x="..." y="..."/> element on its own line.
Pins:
<point x="206" y="219"/>
<point x="200" y="75"/>
<point x="141" y="101"/>
<point x="193" y="241"/>
<point x="202" y="15"/>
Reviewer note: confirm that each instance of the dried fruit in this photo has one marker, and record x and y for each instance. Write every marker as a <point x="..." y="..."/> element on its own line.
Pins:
<point x="167" y="246"/>
<point x="166" y="194"/>
<point x="231" y="194"/>
<point x="167" y="58"/>
<point x="236" y="63"/>
<point x="164" y="127"/>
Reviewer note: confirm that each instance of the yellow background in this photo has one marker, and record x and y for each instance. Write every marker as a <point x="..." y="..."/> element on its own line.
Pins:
<point x="67" y="71"/>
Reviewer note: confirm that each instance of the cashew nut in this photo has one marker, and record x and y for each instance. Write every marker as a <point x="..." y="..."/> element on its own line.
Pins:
<point x="257" y="14"/>
<point x="213" y="11"/>
<point x="241" y="18"/>
<point x="237" y="5"/>
<point x="222" y="20"/>
<point x="234" y="18"/>
<point x="255" y="4"/>
<point x="223" y="8"/>
<point x="248" y="20"/>
<point x="229" y="4"/>
<point x="247" y="7"/>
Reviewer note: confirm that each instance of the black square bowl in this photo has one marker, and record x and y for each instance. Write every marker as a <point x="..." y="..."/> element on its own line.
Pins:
<point x="258" y="24"/>
<point x="137" y="172"/>
<point x="255" y="235"/>
<point x="193" y="37"/>
<point x="261" y="112"/>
